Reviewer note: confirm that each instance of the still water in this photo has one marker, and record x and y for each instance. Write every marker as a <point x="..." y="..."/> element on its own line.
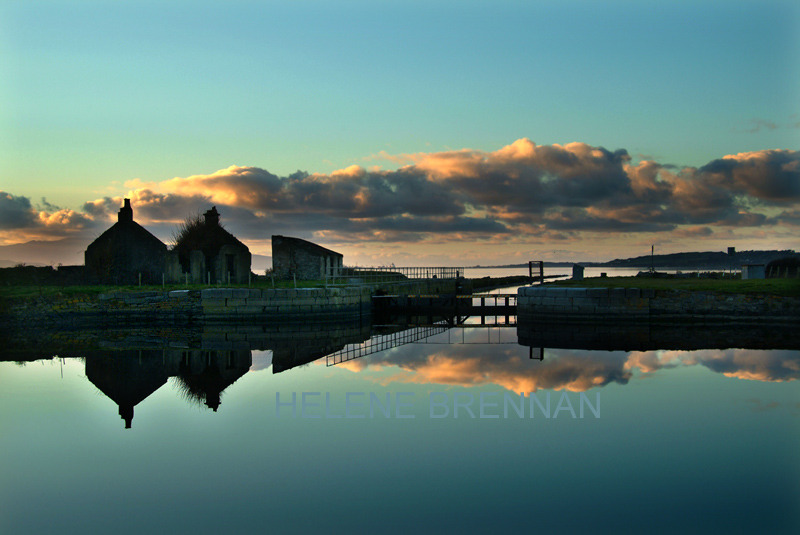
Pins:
<point x="549" y="271"/>
<point x="345" y="428"/>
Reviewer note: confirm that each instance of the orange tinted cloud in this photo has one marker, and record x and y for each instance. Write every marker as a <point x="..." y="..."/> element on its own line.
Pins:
<point x="520" y="193"/>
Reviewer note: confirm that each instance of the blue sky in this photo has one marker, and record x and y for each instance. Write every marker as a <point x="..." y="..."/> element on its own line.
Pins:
<point x="98" y="94"/>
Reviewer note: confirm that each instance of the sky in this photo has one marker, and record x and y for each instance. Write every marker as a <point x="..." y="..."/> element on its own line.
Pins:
<point x="405" y="132"/>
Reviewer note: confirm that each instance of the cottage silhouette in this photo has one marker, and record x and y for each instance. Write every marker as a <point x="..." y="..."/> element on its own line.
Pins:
<point x="207" y="252"/>
<point x="125" y="251"/>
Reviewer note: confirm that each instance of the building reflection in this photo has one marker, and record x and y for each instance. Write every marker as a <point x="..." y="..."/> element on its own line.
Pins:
<point x="203" y="375"/>
<point x="205" y="361"/>
<point x="128" y="377"/>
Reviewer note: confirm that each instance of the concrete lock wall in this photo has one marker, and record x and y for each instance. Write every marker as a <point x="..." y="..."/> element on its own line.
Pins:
<point x="753" y="271"/>
<point x="597" y="305"/>
<point x="221" y="303"/>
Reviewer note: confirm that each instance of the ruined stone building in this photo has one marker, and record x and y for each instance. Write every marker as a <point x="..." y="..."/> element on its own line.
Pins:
<point x="207" y="252"/>
<point x="124" y="252"/>
<point x="301" y="259"/>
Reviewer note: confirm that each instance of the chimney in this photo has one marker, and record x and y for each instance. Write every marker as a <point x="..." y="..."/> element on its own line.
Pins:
<point x="125" y="213"/>
<point x="212" y="216"/>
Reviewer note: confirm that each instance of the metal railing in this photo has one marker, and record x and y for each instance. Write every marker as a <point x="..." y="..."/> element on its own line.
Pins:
<point x="382" y="274"/>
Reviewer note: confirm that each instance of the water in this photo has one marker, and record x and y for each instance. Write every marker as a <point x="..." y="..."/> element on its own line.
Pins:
<point x="670" y="440"/>
<point x="475" y="273"/>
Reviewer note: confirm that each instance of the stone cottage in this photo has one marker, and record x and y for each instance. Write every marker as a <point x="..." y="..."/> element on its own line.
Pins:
<point x="125" y="252"/>
<point x="293" y="257"/>
<point x="205" y="252"/>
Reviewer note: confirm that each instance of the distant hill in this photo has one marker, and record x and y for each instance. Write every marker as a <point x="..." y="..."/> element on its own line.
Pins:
<point x="67" y="251"/>
<point x="701" y="260"/>
<point x="704" y="260"/>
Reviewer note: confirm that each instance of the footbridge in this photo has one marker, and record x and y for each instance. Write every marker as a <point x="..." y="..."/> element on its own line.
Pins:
<point x="484" y="309"/>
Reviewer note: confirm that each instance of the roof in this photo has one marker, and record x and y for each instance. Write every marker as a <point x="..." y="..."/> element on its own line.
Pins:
<point x="298" y="242"/>
<point x="125" y="231"/>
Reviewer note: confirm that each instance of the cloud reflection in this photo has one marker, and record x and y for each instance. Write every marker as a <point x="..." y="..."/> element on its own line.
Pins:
<point x="510" y="367"/>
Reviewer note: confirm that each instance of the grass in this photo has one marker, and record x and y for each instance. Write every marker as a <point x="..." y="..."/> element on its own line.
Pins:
<point x="75" y="292"/>
<point x="782" y="287"/>
<point x="26" y="292"/>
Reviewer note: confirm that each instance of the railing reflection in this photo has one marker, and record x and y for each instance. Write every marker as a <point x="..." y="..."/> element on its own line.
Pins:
<point x="383" y="342"/>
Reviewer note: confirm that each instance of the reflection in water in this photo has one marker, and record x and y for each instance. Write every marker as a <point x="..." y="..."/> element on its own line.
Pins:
<point x="129" y="366"/>
<point x="564" y="369"/>
<point x="205" y="374"/>
<point x="700" y="441"/>
<point x="128" y="377"/>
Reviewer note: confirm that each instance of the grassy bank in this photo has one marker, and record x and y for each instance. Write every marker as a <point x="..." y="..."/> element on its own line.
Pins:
<point x="785" y="287"/>
<point x="782" y="287"/>
<point x="89" y="291"/>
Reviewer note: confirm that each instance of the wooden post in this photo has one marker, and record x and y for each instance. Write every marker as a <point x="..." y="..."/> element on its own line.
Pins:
<point x="140" y="278"/>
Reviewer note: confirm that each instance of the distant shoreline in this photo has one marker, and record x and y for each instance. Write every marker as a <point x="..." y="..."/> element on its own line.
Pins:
<point x="701" y="261"/>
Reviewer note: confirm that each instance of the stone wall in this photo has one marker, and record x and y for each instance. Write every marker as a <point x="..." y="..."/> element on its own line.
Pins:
<point x="591" y="305"/>
<point x="211" y="305"/>
<point x="293" y="257"/>
<point x="226" y="304"/>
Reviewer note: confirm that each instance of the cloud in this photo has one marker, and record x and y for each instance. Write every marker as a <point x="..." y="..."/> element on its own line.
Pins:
<point x="766" y="176"/>
<point x="468" y="365"/>
<point x="694" y="232"/>
<point x="770" y="366"/>
<point x="790" y="216"/>
<point x="755" y="365"/>
<point x="21" y="220"/>
<point x="523" y="192"/>
<point x="520" y="187"/>
<point x="756" y="125"/>
<point x="15" y="212"/>
<point x="509" y="366"/>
